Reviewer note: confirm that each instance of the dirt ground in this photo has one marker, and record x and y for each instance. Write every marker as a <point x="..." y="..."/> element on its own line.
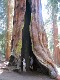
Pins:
<point x="6" y="74"/>
<point x="23" y="76"/>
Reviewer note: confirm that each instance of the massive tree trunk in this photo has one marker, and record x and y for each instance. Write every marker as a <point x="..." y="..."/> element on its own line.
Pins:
<point x="33" y="20"/>
<point x="38" y="36"/>
<point x="9" y="28"/>
<point x="18" y="24"/>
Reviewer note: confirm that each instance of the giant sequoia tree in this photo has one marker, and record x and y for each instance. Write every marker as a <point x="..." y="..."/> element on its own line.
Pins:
<point x="28" y="28"/>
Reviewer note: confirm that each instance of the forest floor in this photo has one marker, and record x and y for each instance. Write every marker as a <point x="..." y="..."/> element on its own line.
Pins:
<point x="7" y="74"/>
<point x="24" y="76"/>
<point x="10" y="75"/>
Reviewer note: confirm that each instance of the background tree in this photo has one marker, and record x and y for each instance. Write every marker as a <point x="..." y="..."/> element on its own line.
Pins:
<point x="53" y="12"/>
<point x="9" y="27"/>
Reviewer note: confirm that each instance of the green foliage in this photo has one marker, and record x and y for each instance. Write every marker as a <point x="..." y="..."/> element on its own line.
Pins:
<point x="52" y="5"/>
<point x="3" y="24"/>
<point x="52" y="9"/>
<point x="59" y="37"/>
<point x="2" y="42"/>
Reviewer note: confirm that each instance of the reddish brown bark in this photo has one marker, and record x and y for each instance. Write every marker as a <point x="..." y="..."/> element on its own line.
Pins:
<point x="55" y="39"/>
<point x="38" y="34"/>
<point x="39" y="38"/>
<point x="9" y="28"/>
<point x="19" y="13"/>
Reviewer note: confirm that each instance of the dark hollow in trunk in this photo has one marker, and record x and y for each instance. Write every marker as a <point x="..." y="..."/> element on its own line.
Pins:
<point x="26" y="40"/>
<point x="26" y="51"/>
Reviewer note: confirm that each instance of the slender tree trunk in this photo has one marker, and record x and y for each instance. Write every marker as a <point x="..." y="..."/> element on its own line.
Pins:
<point x="55" y="31"/>
<point x="55" y="38"/>
<point x="9" y="28"/>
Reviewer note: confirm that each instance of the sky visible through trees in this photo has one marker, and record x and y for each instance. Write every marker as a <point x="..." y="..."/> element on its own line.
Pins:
<point x="3" y="24"/>
<point x="46" y="15"/>
<point x="48" y="23"/>
<point x="2" y="15"/>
